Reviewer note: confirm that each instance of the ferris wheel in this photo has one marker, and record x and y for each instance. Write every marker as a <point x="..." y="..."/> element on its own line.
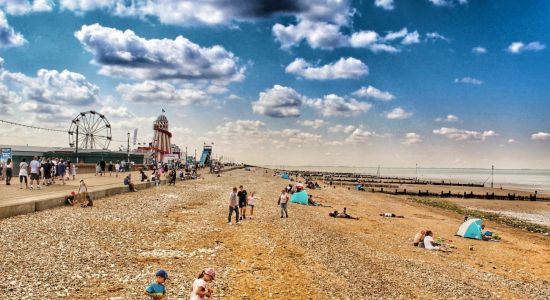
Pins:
<point x="90" y="130"/>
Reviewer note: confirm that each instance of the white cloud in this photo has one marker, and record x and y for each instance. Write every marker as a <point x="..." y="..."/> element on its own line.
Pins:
<point x="448" y="3"/>
<point x="278" y="102"/>
<point x="436" y="36"/>
<point x="412" y="138"/>
<point x="479" y="50"/>
<point x="372" y="41"/>
<point x="22" y="7"/>
<point x="394" y="35"/>
<point x="397" y="113"/>
<point x="448" y="118"/>
<point x="342" y="128"/>
<point x="520" y="47"/>
<point x="8" y="36"/>
<point x="320" y="35"/>
<point x="464" y="135"/>
<point x="217" y="89"/>
<point x="163" y="92"/>
<point x="385" y="4"/>
<point x="124" y="54"/>
<point x="540" y="136"/>
<point x="344" y="68"/>
<point x="512" y="141"/>
<point x="411" y="38"/>
<point x="53" y="87"/>
<point x="372" y="92"/>
<point x="315" y="124"/>
<point x="336" y="106"/>
<point x="359" y="136"/>
<point x="468" y="80"/>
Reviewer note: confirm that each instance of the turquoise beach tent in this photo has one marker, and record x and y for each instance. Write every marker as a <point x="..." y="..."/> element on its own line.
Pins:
<point x="284" y="176"/>
<point x="470" y="229"/>
<point x="299" y="197"/>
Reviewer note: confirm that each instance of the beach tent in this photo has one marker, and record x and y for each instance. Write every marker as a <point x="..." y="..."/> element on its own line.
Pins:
<point x="284" y="176"/>
<point x="470" y="229"/>
<point x="299" y="197"/>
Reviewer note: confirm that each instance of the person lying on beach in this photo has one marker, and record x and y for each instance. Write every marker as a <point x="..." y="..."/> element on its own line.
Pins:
<point x="418" y="240"/>
<point x="344" y="215"/>
<point x="391" y="215"/>
<point x="314" y="203"/>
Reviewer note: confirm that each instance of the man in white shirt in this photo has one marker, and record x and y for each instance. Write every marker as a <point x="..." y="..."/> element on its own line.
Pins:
<point x="35" y="172"/>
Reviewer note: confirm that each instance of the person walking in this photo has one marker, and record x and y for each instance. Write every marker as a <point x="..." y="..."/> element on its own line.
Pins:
<point x="61" y="169"/>
<point x="111" y="168"/>
<point x="9" y="171"/>
<point x="233" y="206"/>
<point x="283" y="202"/>
<point x="23" y="173"/>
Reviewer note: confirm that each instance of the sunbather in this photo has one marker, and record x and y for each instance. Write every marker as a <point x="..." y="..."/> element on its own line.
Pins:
<point x="391" y="215"/>
<point x="344" y="215"/>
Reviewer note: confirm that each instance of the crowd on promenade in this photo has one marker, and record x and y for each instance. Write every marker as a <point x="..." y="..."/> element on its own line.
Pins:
<point x="47" y="170"/>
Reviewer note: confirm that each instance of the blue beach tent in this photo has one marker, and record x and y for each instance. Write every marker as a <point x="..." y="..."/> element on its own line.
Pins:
<point x="470" y="229"/>
<point x="299" y="197"/>
<point x="285" y="176"/>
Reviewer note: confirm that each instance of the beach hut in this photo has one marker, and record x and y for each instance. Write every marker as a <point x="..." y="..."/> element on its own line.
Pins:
<point x="299" y="197"/>
<point x="470" y="229"/>
<point x="285" y="176"/>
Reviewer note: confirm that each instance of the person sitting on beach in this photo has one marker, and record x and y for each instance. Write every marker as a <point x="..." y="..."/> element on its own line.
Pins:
<point x="314" y="203"/>
<point x="486" y="235"/>
<point x="87" y="202"/>
<point x="418" y="240"/>
<point x="129" y="183"/>
<point x="70" y="199"/>
<point x="391" y="215"/>
<point x="430" y="244"/>
<point x="143" y="175"/>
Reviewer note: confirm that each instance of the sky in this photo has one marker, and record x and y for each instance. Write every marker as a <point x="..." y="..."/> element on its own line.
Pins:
<point x="441" y="83"/>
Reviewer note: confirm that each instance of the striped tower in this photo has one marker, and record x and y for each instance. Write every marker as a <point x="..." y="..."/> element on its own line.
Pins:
<point x="161" y="139"/>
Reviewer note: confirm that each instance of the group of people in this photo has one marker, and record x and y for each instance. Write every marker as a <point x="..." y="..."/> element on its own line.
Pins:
<point x="239" y="199"/>
<point x="45" y="169"/>
<point x="101" y="168"/>
<point x="156" y="290"/>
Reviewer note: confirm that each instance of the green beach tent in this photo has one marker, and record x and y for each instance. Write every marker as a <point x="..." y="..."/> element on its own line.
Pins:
<point x="299" y="197"/>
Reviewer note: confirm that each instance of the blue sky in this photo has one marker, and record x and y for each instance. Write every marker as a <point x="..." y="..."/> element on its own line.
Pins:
<point x="327" y="82"/>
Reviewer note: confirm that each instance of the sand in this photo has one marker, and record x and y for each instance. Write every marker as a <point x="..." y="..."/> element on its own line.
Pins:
<point x="112" y="250"/>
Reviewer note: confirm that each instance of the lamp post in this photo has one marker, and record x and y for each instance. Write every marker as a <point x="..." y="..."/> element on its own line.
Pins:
<point x="128" y="149"/>
<point x="76" y="144"/>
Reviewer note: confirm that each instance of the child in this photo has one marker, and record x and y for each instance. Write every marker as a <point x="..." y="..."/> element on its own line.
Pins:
<point x="199" y="290"/>
<point x="251" y="203"/>
<point x="156" y="290"/>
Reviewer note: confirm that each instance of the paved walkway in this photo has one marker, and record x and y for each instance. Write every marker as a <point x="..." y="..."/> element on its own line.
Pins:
<point x="12" y="194"/>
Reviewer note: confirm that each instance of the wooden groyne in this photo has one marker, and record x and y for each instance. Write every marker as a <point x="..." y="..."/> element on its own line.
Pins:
<point x="464" y="195"/>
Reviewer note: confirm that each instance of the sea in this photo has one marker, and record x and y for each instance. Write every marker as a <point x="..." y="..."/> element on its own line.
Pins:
<point x="517" y="179"/>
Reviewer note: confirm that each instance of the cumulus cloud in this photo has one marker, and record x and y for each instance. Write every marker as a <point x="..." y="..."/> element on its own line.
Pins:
<point x="372" y="92"/>
<point x="315" y="124"/>
<point x="468" y="80"/>
<point x="335" y="106"/>
<point x="344" y="68"/>
<point x="53" y="87"/>
<point x="385" y="4"/>
<point x="479" y="50"/>
<point x="342" y="128"/>
<point x="359" y="136"/>
<point x="163" y="92"/>
<point x="124" y="54"/>
<point x="278" y="102"/>
<point x="411" y="38"/>
<point x="8" y="36"/>
<point x="21" y="7"/>
<point x="464" y="135"/>
<point x="540" y="136"/>
<point x="520" y="47"/>
<point x="412" y="138"/>
<point x="511" y="141"/>
<point x="397" y="113"/>
<point x="448" y="118"/>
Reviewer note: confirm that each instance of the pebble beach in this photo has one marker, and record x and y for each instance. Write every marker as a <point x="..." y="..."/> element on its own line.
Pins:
<point x="112" y="250"/>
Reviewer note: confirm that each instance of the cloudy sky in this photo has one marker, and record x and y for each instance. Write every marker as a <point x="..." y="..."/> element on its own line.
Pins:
<point x="442" y="83"/>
